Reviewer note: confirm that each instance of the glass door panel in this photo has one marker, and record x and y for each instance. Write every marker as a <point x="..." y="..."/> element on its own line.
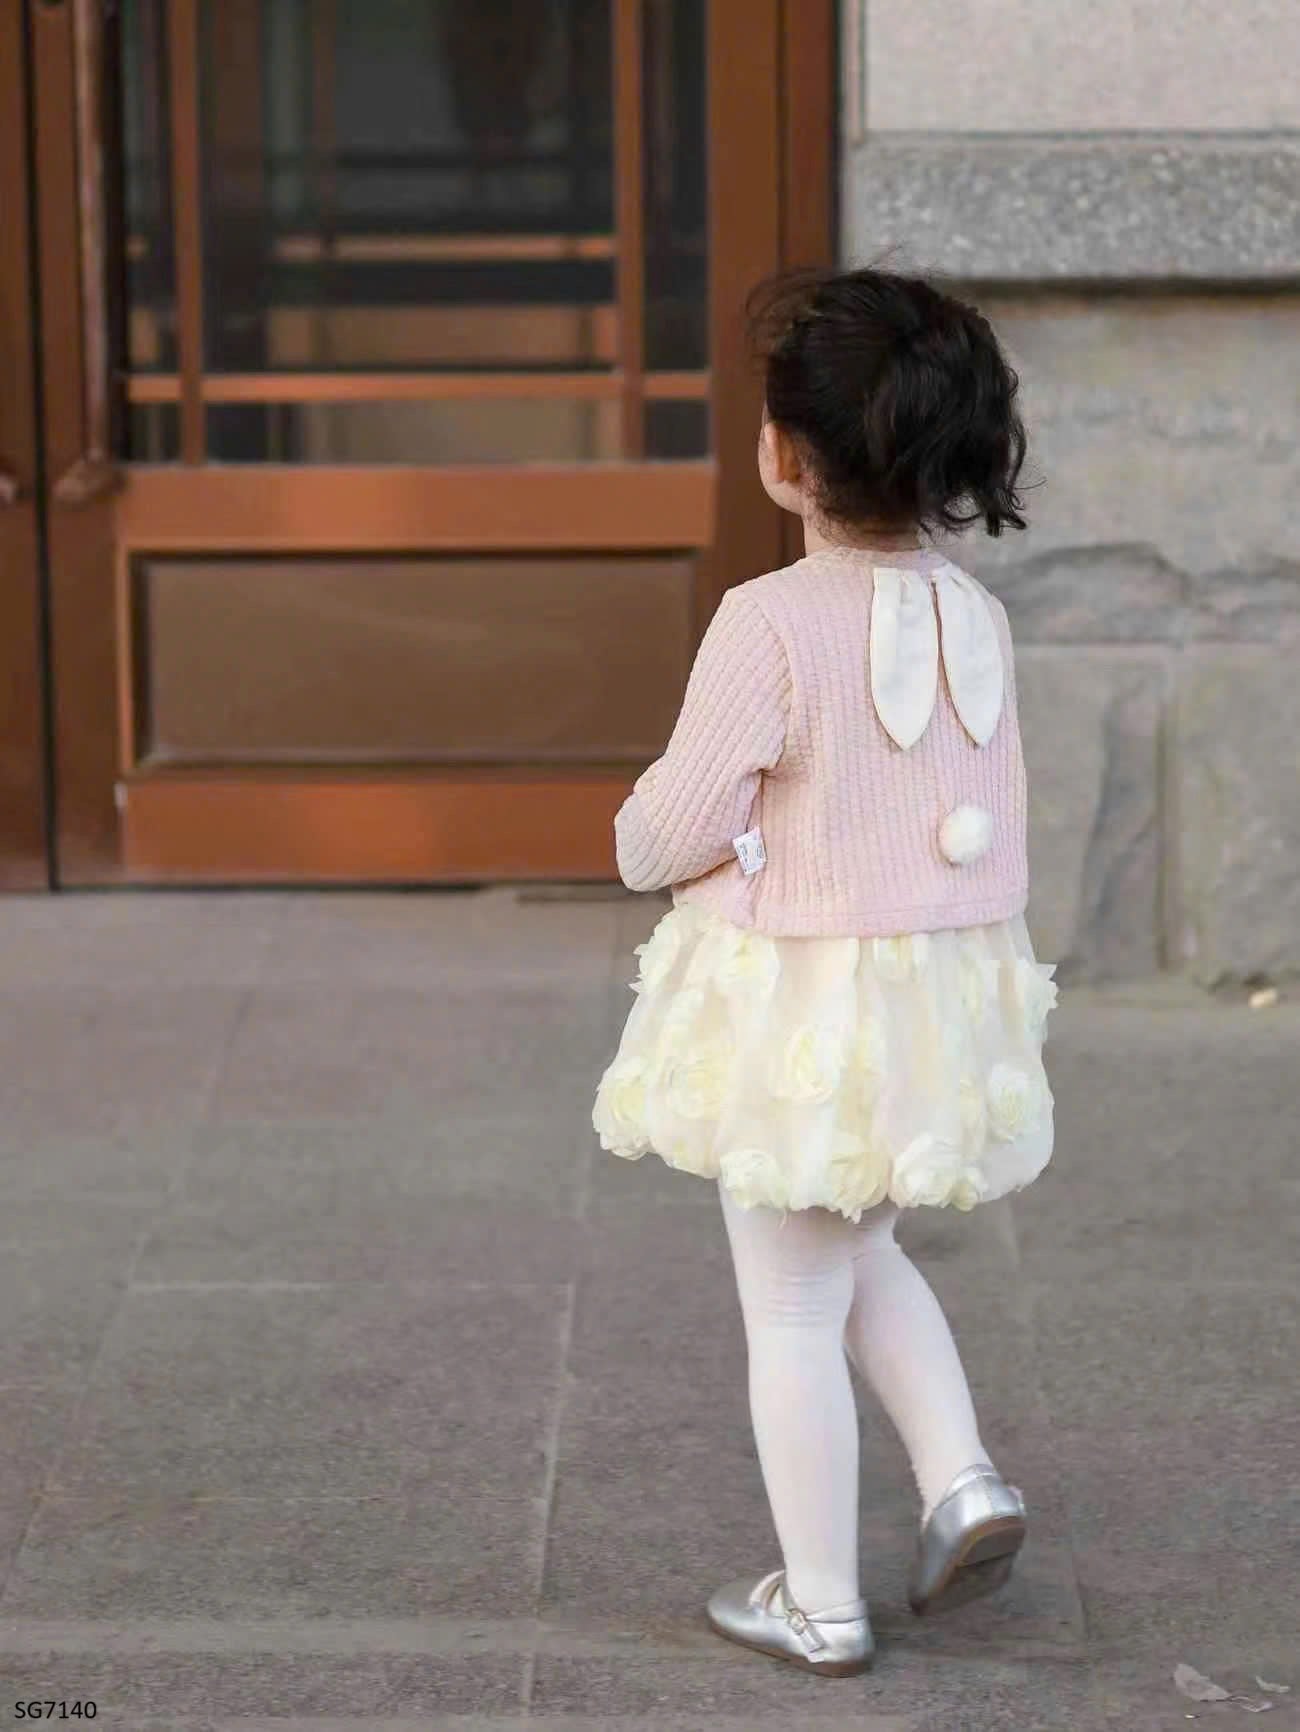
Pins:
<point x="493" y="216"/>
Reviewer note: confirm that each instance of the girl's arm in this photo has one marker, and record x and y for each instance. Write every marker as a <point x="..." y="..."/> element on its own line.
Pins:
<point x="683" y="813"/>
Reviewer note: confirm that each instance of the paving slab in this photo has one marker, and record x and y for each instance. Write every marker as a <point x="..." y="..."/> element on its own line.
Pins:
<point x="925" y="1693"/>
<point x="1176" y="1142"/>
<point x="301" y="1052"/>
<point x="121" y="1553"/>
<point x="127" y="940"/>
<point x="198" y="1691"/>
<point x="405" y="1195"/>
<point x="342" y="1389"/>
<point x="92" y="1059"/>
<point x="35" y="1420"/>
<point x="58" y="1295"/>
<point x="448" y="938"/>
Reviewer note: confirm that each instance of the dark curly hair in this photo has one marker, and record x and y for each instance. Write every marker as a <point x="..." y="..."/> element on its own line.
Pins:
<point x="899" y="395"/>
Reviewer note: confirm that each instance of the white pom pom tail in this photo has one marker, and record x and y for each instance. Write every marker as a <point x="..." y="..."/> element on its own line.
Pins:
<point x="965" y="834"/>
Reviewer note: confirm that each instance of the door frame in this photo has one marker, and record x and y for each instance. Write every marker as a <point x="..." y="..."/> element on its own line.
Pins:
<point x="771" y="126"/>
<point x="24" y="861"/>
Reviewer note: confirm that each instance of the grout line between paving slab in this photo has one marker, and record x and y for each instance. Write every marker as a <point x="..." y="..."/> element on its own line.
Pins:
<point x="398" y="1283"/>
<point x="440" y="1636"/>
<point x="861" y="1720"/>
<point x="551" y="1452"/>
<point x="581" y="1208"/>
<point x="1028" y="1306"/>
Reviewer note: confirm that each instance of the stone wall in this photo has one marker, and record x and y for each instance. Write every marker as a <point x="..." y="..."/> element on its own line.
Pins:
<point x="1121" y="193"/>
<point x="1156" y="604"/>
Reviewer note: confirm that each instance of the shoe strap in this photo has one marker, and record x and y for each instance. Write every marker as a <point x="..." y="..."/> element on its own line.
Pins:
<point x="772" y="1587"/>
<point x="762" y="1591"/>
<point x="803" y="1627"/>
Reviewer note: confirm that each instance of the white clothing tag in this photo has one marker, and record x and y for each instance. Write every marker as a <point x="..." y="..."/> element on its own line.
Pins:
<point x="750" y="852"/>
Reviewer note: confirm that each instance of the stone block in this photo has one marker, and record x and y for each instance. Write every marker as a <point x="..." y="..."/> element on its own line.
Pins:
<point x="1105" y="594"/>
<point x="1161" y="428"/>
<point x="1261" y="605"/>
<point x="1091" y="723"/>
<point x="1113" y="593"/>
<point x="1235" y="795"/>
<point x="1033" y="210"/>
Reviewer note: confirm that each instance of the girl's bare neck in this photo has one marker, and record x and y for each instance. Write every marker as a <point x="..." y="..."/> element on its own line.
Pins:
<point x="819" y="536"/>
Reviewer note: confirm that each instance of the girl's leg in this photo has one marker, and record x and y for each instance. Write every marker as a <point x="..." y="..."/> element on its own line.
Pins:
<point x="796" y="1285"/>
<point x="899" y="1339"/>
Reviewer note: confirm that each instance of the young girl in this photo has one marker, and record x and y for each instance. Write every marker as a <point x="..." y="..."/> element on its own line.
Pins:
<point x="842" y="1016"/>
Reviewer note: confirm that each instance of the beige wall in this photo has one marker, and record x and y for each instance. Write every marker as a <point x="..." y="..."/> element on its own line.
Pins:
<point x="1076" y="65"/>
<point x="1068" y="140"/>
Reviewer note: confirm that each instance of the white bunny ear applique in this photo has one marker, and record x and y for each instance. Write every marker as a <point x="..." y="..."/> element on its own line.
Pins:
<point x="904" y="653"/>
<point x="972" y="654"/>
<point x="905" y="647"/>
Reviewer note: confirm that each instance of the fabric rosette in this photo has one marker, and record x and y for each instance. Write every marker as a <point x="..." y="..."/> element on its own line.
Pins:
<point x="1036" y="994"/>
<point x="1014" y="1101"/>
<point x="936" y="1174"/>
<point x="755" y="1176"/>
<point x="979" y="984"/>
<point x="809" y="1066"/>
<point x="858" y="1175"/>
<point x="748" y="966"/>
<point x="695" y="1083"/>
<point x="619" y="1115"/>
<point x="658" y="954"/>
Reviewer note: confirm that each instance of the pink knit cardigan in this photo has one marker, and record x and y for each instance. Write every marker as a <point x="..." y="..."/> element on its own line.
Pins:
<point x="778" y="732"/>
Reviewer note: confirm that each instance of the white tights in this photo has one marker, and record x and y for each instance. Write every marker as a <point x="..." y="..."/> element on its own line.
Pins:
<point x="813" y="1285"/>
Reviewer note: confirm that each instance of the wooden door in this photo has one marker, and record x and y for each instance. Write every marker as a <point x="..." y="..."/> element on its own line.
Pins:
<point x="23" y="860"/>
<point x="399" y="425"/>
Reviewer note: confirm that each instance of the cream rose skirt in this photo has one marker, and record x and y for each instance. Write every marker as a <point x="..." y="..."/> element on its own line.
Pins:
<point x="836" y="1071"/>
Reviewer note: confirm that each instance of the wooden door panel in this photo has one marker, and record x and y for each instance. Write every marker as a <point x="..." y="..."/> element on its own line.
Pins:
<point x="370" y="828"/>
<point x="588" y="506"/>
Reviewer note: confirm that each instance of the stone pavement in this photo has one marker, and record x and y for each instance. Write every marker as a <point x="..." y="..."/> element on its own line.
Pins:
<point x="349" y="1387"/>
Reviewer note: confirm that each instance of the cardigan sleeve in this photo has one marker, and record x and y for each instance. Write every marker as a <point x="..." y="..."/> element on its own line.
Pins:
<point x="684" y="812"/>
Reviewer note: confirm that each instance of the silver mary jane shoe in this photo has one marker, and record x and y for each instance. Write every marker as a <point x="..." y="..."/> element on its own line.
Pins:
<point x="969" y="1544"/>
<point x="761" y="1615"/>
